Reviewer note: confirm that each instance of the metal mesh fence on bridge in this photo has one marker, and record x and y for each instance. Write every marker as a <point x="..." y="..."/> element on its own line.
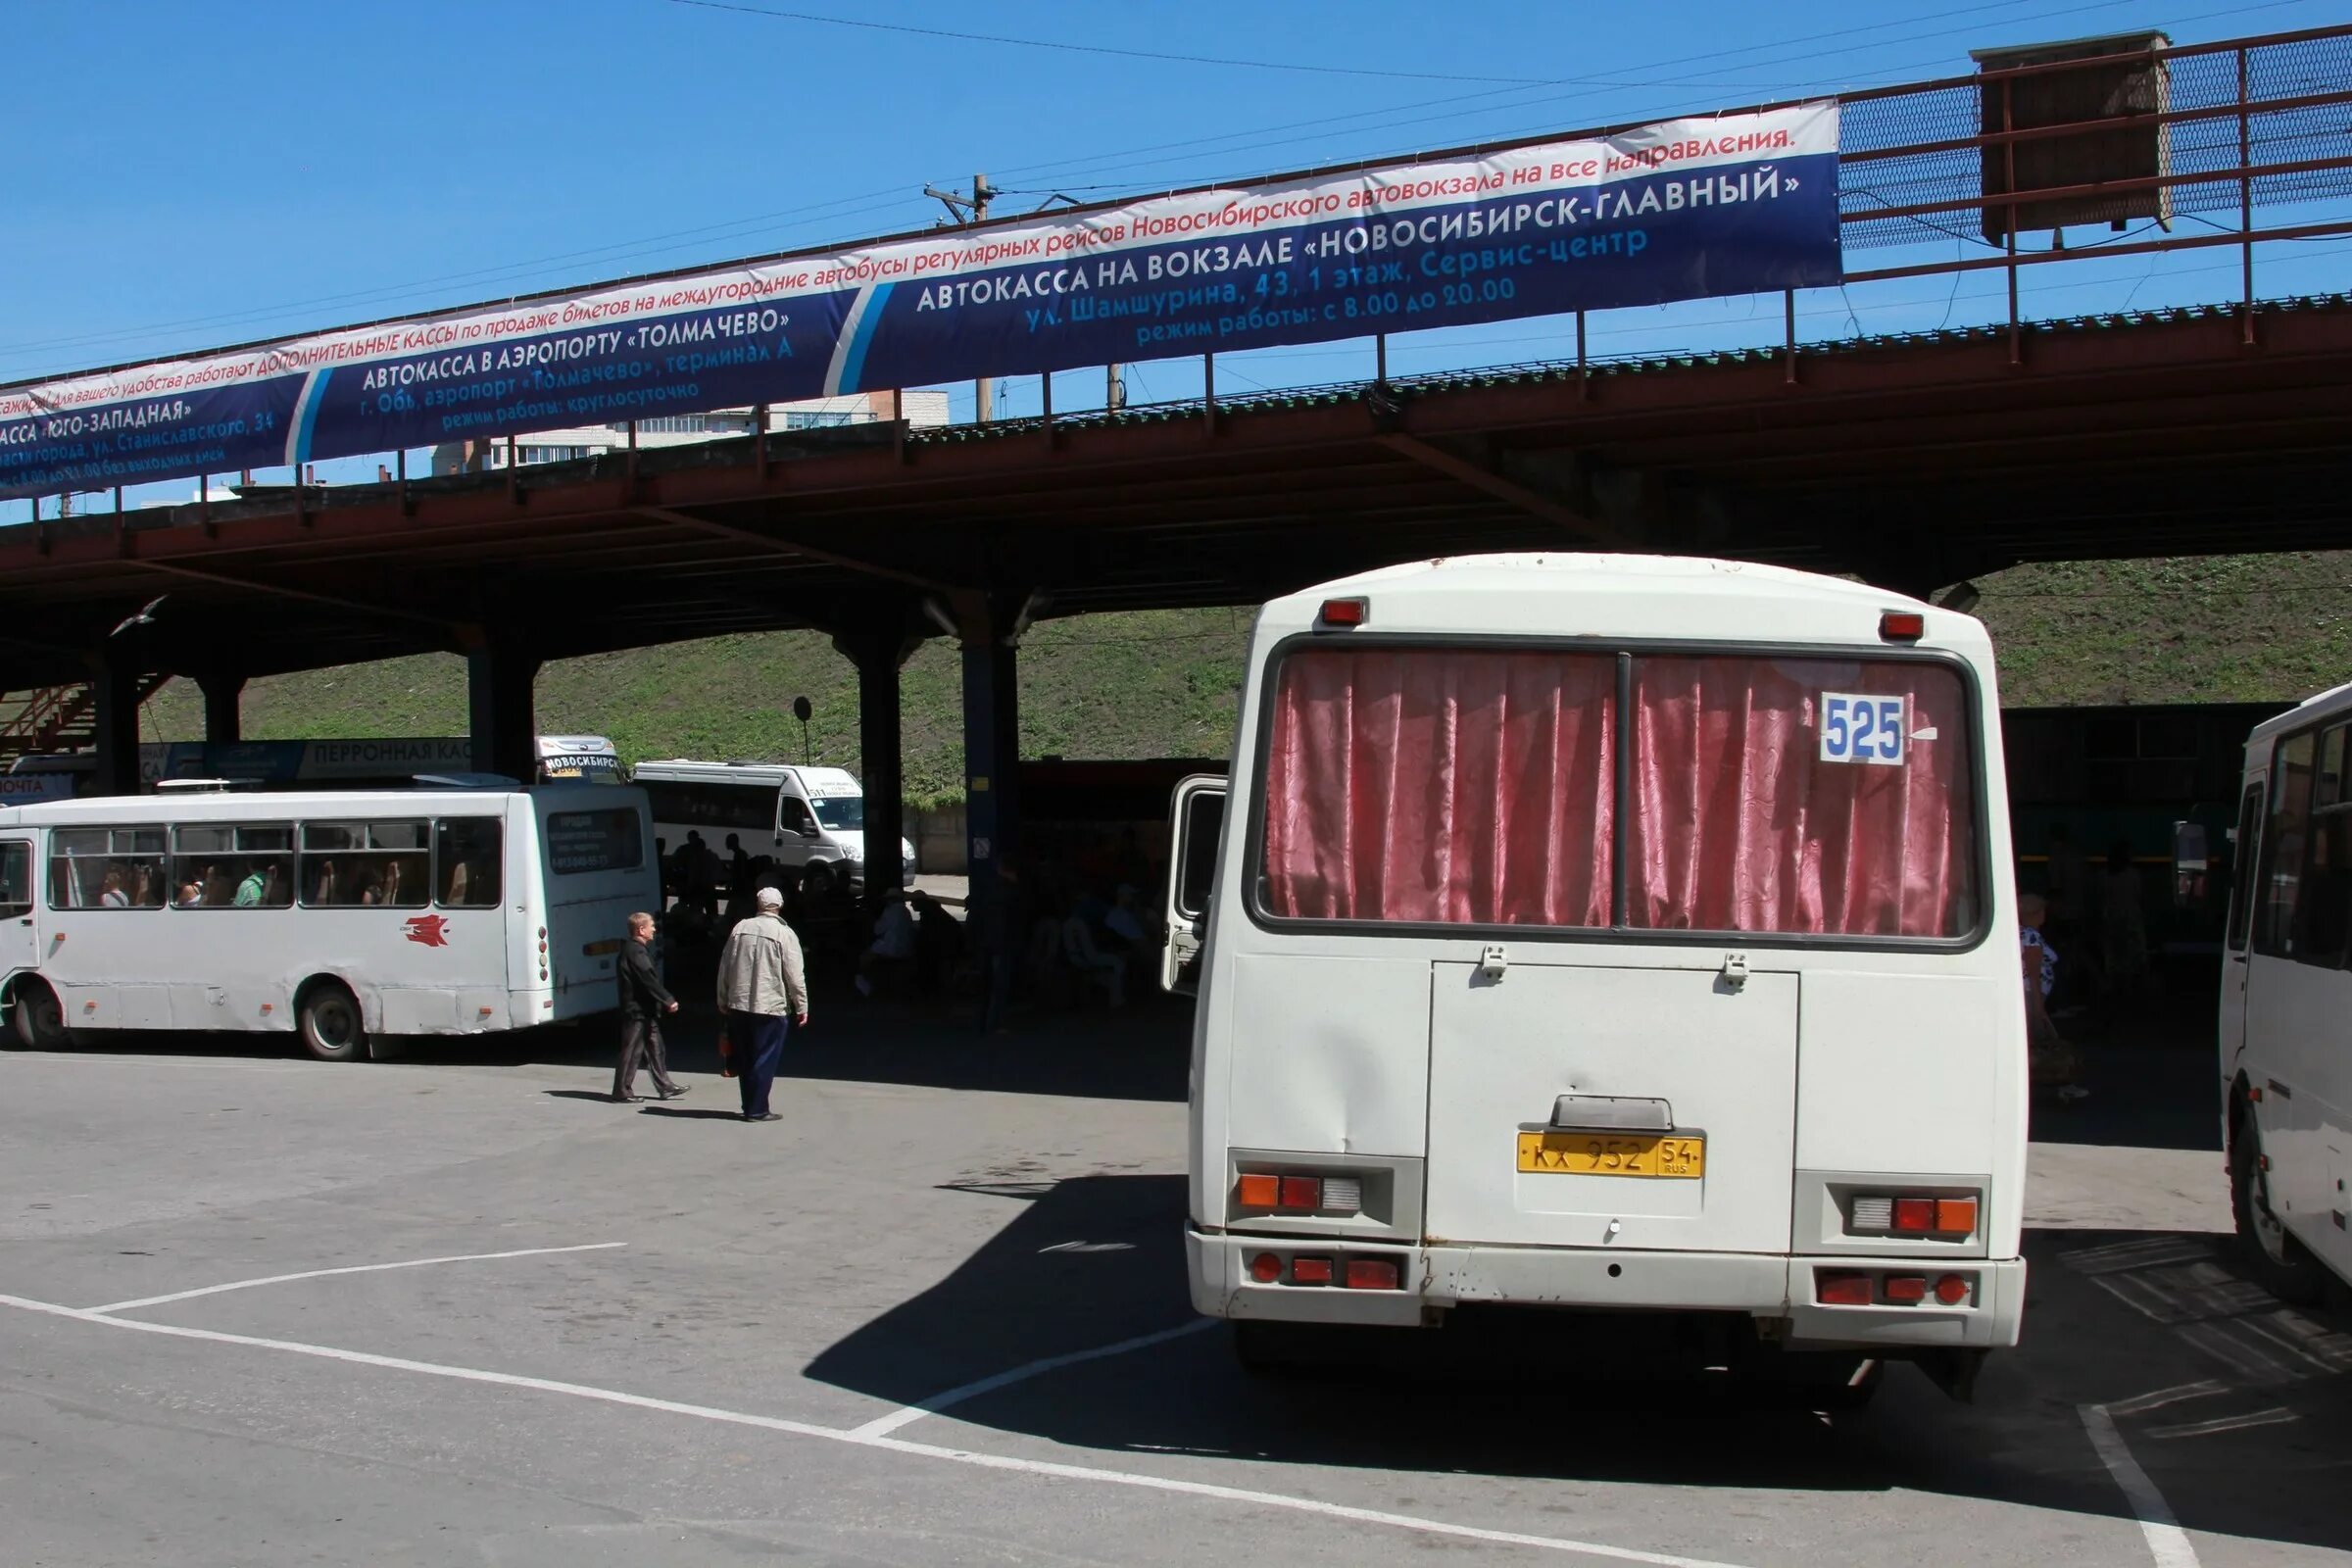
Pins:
<point x="1932" y="145"/>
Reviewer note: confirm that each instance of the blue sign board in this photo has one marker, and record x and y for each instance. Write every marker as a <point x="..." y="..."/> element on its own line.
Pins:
<point x="1679" y="210"/>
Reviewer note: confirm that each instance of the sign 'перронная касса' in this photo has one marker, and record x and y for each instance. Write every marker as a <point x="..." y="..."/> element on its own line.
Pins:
<point x="1682" y="208"/>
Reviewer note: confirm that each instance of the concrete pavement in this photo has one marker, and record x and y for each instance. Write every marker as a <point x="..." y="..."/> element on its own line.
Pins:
<point x="741" y="1377"/>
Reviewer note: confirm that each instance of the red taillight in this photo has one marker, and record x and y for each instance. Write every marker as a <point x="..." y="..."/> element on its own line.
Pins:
<point x="1304" y="1194"/>
<point x="1956" y="1216"/>
<point x="1915" y="1214"/>
<point x="1257" y="1190"/>
<point x="1265" y="1268"/>
<point x="1310" y="1271"/>
<point x="1841" y="1290"/>
<point x="1952" y="1290"/>
<point x="1345" y="611"/>
<point x="1906" y="1289"/>
<point x="1373" y="1274"/>
<point x="1902" y="625"/>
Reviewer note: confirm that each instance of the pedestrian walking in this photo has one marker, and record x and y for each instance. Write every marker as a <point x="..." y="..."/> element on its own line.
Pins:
<point x="644" y="999"/>
<point x="763" y="995"/>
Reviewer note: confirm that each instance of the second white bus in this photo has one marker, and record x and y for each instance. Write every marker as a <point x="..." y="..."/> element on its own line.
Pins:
<point x="2286" y="1001"/>
<point x="339" y="916"/>
<point x="1610" y="933"/>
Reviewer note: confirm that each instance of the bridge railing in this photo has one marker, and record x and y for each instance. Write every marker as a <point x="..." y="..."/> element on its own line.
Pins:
<point x="2238" y="144"/>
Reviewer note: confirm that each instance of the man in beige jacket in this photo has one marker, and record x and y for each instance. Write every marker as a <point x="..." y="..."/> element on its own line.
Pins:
<point x="763" y="994"/>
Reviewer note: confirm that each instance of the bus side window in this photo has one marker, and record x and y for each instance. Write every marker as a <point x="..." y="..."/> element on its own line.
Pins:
<point x="361" y="865"/>
<point x="2282" y="847"/>
<point x="467" y="862"/>
<point x="16" y="880"/>
<point x="106" y="868"/>
<point x="2242" y="889"/>
<point x="2324" y="911"/>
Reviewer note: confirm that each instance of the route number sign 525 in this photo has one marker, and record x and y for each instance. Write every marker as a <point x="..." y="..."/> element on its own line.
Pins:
<point x="1860" y="728"/>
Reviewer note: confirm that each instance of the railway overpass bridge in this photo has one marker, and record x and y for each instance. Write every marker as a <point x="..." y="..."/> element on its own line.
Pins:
<point x="1913" y="462"/>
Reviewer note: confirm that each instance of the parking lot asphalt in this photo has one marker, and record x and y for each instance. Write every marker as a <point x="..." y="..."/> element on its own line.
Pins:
<point x="455" y="1307"/>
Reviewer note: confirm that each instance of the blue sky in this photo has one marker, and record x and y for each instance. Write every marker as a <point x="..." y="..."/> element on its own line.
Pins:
<point x="185" y="174"/>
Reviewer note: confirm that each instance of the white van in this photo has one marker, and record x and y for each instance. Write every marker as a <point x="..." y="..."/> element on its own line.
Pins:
<point x="812" y="820"/>
<point x="2286" y="1000"/>
<point x="1610" y="932"/>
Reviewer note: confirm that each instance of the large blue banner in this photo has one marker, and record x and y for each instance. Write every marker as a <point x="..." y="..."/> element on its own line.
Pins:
<point x="1680" y="210"/>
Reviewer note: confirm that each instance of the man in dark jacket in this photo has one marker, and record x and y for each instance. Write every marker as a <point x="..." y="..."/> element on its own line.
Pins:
<point x="643" y="1001"/>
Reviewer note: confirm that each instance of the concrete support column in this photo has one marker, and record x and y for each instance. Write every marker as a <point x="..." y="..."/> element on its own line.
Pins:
<point x="223" y="715"/>
<point x="115" y="688"/>
<point x="879" y="655"/>
<point x="503" y="724"/>
<point x="990" y="629"/>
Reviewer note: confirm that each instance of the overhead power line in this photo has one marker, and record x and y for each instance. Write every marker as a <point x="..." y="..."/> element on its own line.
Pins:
<point x="1094" y="48"/>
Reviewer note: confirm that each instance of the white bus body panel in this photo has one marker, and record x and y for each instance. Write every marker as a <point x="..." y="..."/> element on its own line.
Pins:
<point x="1393" y="1052"/>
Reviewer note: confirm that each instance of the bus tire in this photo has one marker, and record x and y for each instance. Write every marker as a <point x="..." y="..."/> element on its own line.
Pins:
<point x="816" y="882"/>
<point x="39" y="1017"/>
<point x="2275" y="1259"/>
<point x="332" y="1027"/>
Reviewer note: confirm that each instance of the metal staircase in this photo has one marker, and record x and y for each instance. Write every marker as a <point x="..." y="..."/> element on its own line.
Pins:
<point x="54" y="718"/>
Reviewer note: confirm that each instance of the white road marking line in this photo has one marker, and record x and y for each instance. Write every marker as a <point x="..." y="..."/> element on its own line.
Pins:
<point x="2276" y="1416"/>
<point x="881" y="1426"/>
<point x="2168" y="1542"/>
<point x="803" y="1429"/>
<point x="357" y="1269"/>
<point x="2141" y="1404"/>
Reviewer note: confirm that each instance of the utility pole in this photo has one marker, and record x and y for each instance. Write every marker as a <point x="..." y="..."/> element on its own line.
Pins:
<point x="965" y="210"/>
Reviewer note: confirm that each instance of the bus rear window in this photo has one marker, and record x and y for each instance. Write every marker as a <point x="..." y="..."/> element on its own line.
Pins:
<point x="1454" y="786"/>
<point x="595" y="841"/>
<point x="1465" y="786"/>
<point x="1817" y="796"/>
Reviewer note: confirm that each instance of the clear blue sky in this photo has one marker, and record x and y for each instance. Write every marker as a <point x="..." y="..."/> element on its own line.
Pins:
<point x="184" y="175"/>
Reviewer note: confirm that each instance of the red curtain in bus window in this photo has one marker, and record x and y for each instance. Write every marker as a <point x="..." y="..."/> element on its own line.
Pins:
<point x="1824" y="795"/>
<point x="1451" y="785"/>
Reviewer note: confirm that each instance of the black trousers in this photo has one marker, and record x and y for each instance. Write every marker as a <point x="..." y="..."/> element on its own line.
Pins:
<point x="641" y="1043"/>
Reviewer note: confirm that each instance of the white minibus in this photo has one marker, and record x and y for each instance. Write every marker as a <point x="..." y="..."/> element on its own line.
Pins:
<point x="2286" y="1001"/>
<point x="811" y="820"/>
<point x="1616" y="933"/>
<point x="340" y="915"/>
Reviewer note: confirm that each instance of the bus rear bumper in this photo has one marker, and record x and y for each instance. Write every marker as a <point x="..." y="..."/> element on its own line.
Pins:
<point x="1768" y="1287"/>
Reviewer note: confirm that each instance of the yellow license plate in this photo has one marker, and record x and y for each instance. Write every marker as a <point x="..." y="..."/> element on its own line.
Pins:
<point x="1557" y="1154"/>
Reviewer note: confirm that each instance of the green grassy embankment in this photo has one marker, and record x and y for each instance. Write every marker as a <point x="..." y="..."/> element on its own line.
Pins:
<point x="1164" y="683"/>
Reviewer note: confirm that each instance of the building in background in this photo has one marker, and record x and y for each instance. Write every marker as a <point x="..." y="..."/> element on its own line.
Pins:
<point x="920" y="408"/>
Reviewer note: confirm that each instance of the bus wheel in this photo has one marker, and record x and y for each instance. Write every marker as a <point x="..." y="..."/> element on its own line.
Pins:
<point x="332" y="1028"/>
<point x="40" y="1018"/>
<point x="817" y="881"/>
<point x="2277" y="1259"/>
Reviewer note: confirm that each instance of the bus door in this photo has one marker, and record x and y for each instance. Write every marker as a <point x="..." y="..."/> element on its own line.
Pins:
<point x="2245" y="855"/>
<point x="19" y="941"/>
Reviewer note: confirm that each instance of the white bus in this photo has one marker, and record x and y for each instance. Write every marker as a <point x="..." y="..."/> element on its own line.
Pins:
<point x="339" y="915"/>
<point x="811" y="820"/>
<point x="1610" y="932"/>
<point x="2286" y="1001"/>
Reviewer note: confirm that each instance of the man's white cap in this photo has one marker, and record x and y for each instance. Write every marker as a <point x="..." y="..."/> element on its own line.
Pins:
<point x="769" y="899"/>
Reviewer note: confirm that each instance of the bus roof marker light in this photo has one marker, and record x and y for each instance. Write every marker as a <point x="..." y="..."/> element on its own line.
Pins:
<point x="1902" y="627"/>
<point x="1339" y="615"/>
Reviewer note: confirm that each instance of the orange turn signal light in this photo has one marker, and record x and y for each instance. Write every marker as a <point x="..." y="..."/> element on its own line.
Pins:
<point x="1258" y="1190"/>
